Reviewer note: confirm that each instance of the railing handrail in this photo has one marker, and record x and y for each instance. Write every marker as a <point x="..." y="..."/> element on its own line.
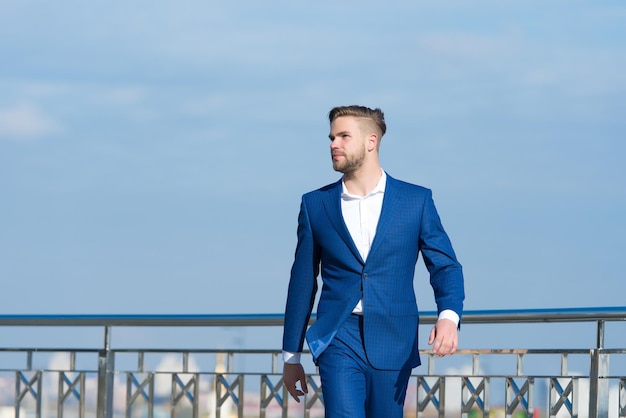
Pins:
<point x="29" y="379"/>
<point x="498" y="316"/>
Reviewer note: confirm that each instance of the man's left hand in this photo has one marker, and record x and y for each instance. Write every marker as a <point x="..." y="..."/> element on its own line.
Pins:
<point x="444" y="338"/>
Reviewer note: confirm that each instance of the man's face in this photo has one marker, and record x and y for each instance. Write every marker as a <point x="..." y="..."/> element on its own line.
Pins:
<point x="347" y="146"/>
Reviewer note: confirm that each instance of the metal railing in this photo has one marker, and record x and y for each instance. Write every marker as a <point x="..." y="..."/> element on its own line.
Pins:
<point x="213" y="382"/>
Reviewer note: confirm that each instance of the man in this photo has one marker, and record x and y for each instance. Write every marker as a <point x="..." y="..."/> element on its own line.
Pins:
<point x="364" y="234"/>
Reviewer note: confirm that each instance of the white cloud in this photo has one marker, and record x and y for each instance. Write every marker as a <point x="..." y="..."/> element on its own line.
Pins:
<point x="59" y="361"/>
<point x="26" y="121"/>
<point x="39" y="89"/>
<point x="124" y="95"/>
<point x="469" y="45"/>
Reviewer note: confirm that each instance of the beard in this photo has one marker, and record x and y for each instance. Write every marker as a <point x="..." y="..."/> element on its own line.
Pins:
<point x="350" y="163"/>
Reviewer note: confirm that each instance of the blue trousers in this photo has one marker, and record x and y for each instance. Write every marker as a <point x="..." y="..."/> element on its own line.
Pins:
<point x="351" y="387"/>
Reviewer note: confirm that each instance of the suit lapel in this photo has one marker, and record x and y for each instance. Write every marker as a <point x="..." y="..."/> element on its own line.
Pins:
<point x="332" y="205"/>
<point x="391" y="201"/>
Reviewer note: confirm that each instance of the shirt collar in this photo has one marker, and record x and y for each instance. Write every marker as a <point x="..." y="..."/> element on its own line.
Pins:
<point x="379" y="188"/>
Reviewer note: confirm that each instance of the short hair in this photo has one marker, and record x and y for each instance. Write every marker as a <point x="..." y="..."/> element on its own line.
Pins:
<point x="375" y="115"/>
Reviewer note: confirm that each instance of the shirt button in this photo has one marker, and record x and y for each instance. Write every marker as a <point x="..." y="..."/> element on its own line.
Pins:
<point x="365" y="275"/>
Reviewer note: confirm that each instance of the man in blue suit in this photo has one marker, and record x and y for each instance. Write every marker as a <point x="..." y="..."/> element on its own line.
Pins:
<point x="364" y="234"/>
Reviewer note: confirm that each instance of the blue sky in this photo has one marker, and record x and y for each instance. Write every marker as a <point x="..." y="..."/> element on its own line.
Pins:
<point x="153" y="155"/>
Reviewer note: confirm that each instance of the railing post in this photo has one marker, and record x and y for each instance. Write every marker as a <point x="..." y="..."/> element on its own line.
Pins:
<point x="106" y="365"/>
<point x="598" y="385"/>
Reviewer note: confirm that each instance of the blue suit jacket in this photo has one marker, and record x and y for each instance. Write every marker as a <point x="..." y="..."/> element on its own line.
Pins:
<point x="408" y="224"/>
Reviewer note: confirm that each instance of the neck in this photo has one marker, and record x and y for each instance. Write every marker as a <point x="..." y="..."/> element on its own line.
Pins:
<point x="362" y="181"/>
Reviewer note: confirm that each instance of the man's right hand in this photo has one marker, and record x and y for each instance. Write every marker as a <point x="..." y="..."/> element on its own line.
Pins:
<point x="292" y="374"/>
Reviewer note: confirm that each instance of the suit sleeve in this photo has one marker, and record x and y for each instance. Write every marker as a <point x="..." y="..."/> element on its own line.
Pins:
<point x="446" y="275"/>
<point x="302" y="285"/>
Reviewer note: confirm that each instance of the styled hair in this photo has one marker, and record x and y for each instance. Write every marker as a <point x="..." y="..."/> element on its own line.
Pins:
<point x="375" y="115"/>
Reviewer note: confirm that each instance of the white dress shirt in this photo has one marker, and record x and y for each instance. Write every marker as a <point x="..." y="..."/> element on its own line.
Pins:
<point x="361" y="214"/>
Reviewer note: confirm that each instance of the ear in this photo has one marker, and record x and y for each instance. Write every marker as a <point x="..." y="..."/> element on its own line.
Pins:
<point x="372" y="142"/>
